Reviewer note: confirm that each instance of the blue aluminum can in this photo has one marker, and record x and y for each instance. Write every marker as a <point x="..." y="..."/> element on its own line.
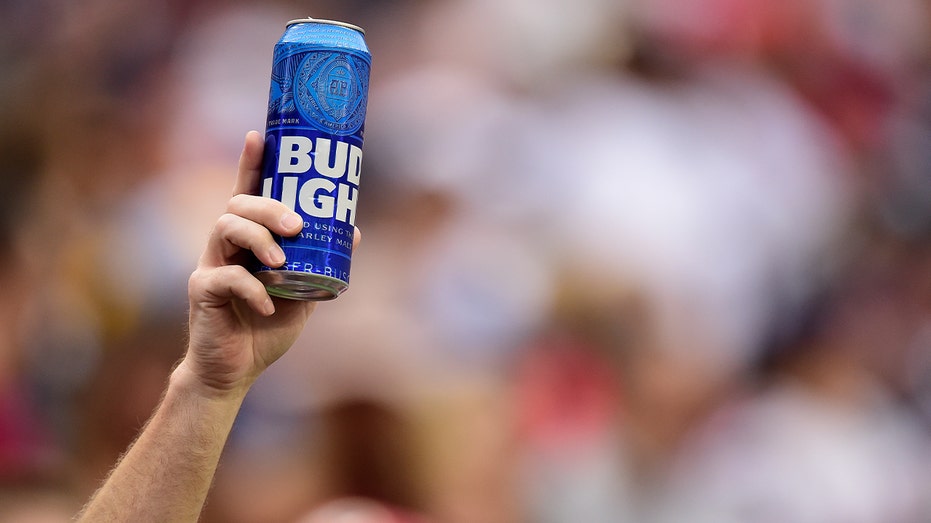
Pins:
<point x="313" y="152"/>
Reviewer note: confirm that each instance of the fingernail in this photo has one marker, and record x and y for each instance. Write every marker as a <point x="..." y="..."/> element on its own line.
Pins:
<point x="269" y="307"/>
<point x="291" y="220"/>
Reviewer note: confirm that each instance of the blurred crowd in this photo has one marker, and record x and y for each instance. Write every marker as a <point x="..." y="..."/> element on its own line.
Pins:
<point x="650" y="261"/>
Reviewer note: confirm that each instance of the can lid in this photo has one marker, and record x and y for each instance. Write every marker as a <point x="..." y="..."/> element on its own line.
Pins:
<point x="310" y="20"/>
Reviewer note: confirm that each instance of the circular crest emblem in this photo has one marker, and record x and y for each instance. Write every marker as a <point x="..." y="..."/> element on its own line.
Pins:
<point x="331" y="91"/>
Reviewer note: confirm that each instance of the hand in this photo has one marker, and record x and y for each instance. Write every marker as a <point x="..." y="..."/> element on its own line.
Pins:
<point x="236" y="329"/>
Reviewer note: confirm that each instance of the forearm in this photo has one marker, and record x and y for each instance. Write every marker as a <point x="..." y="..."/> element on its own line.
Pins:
<point x="166" y="473"/>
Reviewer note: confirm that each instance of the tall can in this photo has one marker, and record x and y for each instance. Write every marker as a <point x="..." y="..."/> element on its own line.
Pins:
<point x="313" y="152"/>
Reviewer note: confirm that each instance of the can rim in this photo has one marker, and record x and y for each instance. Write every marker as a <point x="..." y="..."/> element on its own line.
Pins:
<point x="310" y="20"/>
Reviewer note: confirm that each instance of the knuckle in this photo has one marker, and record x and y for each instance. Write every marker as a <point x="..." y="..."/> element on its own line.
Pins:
<point x="226" y="230"/>
<point x="255" y="208"/>
<point x="239" y="203"/>
<point x="226" y="223"/>
<point x="196" y="282"/>
<point x="225" y="274"/>
<point x="234" y="275"/>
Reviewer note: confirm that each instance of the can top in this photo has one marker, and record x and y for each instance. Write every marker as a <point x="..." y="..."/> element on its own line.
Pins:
<point x="310" y="20"/>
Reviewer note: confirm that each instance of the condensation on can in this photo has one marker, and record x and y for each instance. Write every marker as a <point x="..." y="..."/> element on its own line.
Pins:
<point x="317" y="103"/>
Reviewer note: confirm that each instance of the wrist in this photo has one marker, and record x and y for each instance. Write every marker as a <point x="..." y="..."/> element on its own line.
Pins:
<point x="185" y="379"/>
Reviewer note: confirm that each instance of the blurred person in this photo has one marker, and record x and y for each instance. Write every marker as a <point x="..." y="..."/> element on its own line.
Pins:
<point x="368" y="459"/>
<point x="570" y="409"/>
<point x="61" y="103"/>
<point x="830" y="434"/>
<point x="853" y="61"/>
<point x="27" y="448"/>
<point x="96" y="92"/>
<point x="715" y="190"/>
<point x="32" y="489"/>
<point x="123" y="388"/>
<point x="354" y="452"/>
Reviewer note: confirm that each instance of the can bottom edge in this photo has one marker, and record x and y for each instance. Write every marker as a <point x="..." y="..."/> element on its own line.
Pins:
<point x="294" y="285"/>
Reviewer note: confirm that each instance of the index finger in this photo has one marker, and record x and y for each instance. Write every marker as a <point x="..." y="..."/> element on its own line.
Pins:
<point x="250" y="165"/>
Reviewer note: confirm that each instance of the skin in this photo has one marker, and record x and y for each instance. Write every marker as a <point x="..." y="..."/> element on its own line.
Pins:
<point x="236" y="331"/>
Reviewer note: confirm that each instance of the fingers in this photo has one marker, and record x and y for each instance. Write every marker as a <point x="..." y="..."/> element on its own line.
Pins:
<point x="248" y="224"/>
<point x="250" y="165"/>
<point x="233" y="233"/>
<point x="216" y="286"/>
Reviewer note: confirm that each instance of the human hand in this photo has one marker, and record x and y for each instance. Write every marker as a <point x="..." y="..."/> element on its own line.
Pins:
<point x="236" y="329"/>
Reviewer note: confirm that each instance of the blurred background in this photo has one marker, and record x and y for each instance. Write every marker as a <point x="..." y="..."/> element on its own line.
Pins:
<point x="624" y="260"/>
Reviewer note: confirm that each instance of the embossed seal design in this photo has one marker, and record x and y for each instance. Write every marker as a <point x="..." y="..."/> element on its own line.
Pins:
<point x="331" y="91"/>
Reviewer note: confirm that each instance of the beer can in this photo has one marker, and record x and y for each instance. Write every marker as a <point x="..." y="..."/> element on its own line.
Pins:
<point x="313" y="152"/>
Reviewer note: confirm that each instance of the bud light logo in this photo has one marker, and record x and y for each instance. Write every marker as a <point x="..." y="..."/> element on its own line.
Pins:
<point x="320" y="177"/>
<point x="331" y="91"/>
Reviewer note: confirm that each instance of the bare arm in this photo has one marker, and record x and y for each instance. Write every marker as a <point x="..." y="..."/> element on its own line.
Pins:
<point x="167" y="472"/>
<point x="236" y="332"/>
